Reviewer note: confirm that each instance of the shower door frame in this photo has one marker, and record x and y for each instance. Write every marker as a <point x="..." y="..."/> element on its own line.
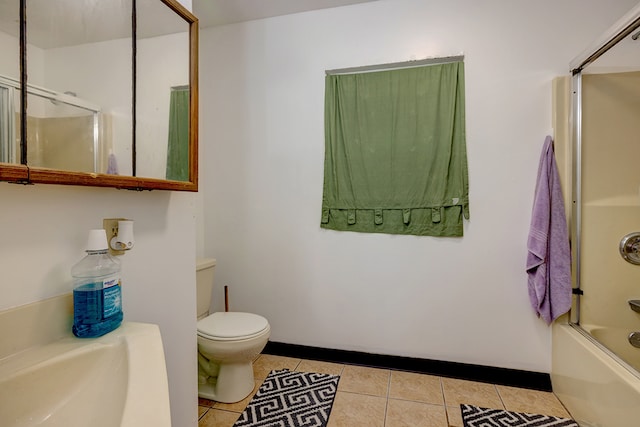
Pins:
<point x="71" y="100"/>
<point x="13" y="85"/>
<point x="626" y="26"/>
<point x="8" y="149"/>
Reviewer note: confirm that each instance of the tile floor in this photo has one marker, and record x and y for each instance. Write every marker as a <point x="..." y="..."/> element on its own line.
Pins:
<point x="371" y="397"/>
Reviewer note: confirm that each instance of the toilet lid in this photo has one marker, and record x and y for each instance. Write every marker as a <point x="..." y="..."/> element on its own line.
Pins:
<point x="231" y="324"/>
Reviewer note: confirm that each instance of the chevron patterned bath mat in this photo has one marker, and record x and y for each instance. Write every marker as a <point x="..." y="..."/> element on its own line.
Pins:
<point x="291" y="399"/>
<point x="473" y="416"/>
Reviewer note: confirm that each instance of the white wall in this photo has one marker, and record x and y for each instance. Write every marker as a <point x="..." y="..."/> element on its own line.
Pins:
<point x="10" y="61"/>
<point x="44" y="229"/>
<point x="464" y="300"/>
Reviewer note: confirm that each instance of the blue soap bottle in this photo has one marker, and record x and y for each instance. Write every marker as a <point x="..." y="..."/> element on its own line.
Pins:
<point x="97" y="295"/>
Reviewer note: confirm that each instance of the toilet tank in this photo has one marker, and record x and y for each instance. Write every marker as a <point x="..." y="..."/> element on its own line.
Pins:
<point x="204" y="284"/>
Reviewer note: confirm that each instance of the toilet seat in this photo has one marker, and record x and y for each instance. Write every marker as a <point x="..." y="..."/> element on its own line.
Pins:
<point x="230" y="325"/>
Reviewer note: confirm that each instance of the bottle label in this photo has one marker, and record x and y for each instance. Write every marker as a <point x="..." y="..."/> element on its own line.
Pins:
<point x="112" y="296"/>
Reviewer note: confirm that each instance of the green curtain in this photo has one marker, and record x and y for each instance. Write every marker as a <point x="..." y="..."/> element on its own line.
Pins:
<point x="178" y="147"/>
<point x="395" y="151"/>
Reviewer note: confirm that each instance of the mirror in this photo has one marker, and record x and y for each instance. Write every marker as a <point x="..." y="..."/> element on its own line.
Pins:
<point x="99" y="94"/>
<point x="79" y="88"/>
<point x="162" y="104"/>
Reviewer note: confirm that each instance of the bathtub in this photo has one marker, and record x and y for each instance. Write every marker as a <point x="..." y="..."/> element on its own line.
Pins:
<point x="616" y="340"/>
<point x="595" y="387"/>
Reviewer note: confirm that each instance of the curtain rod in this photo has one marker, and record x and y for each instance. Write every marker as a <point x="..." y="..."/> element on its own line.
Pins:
<point x="396" y="65"/>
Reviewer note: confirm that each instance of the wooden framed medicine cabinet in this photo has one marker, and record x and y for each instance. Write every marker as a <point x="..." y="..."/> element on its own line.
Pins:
<point x="100" y="94"/>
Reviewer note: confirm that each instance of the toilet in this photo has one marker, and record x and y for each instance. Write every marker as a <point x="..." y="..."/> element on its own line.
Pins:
<point x="228" y="343"/>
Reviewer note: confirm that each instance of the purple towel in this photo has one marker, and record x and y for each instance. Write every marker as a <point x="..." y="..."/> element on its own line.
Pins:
<point x="112" y="165"/>
<point x="549" y="256"/>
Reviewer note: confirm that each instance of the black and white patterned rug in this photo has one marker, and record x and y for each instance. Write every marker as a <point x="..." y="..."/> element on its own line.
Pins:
<point x="291" y="399"/>
<point x="473" y="416"/>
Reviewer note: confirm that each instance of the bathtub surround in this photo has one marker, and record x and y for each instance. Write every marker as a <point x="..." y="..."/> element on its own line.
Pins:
<point x="48" y="142"/>
<point x="549" y="255"/>
<point x="617" y="342"/>
<point x="596" y="390"/>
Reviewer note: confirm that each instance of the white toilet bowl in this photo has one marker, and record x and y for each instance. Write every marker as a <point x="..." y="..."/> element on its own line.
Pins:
<point x="228" y="343"/>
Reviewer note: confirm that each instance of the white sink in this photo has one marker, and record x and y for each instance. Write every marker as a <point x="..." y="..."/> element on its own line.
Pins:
<point x="118" y="379"/>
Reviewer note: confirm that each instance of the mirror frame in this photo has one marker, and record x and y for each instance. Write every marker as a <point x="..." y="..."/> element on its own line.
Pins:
<point x="24" y="174"/>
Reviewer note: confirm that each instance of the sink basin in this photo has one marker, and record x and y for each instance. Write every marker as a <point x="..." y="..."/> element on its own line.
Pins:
<point x="118" y="379"/>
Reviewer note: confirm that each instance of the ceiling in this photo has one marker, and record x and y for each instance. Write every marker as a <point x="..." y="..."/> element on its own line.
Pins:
<point x="213" y="13"/>
<point x="71" y="22"/>
<point x="59" y="23"/>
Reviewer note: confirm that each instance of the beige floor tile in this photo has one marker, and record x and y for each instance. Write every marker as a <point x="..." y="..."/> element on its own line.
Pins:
<point x="371" y="397"/>
<point x="360" y="379"/>
<point x="417" y="387"/>
<point x="454" y="416"/>
<point x="404" y="413"/>
<point x="267" y="363"/>
<point x="471" y="392"/>
<point x="320" y="367"/>
<point x="357" y="410"/>
<point x="239" y="406"/>
<point x="531" y="401"/>
<point x="202" y="410"/>
<point x="218" y="418"/>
